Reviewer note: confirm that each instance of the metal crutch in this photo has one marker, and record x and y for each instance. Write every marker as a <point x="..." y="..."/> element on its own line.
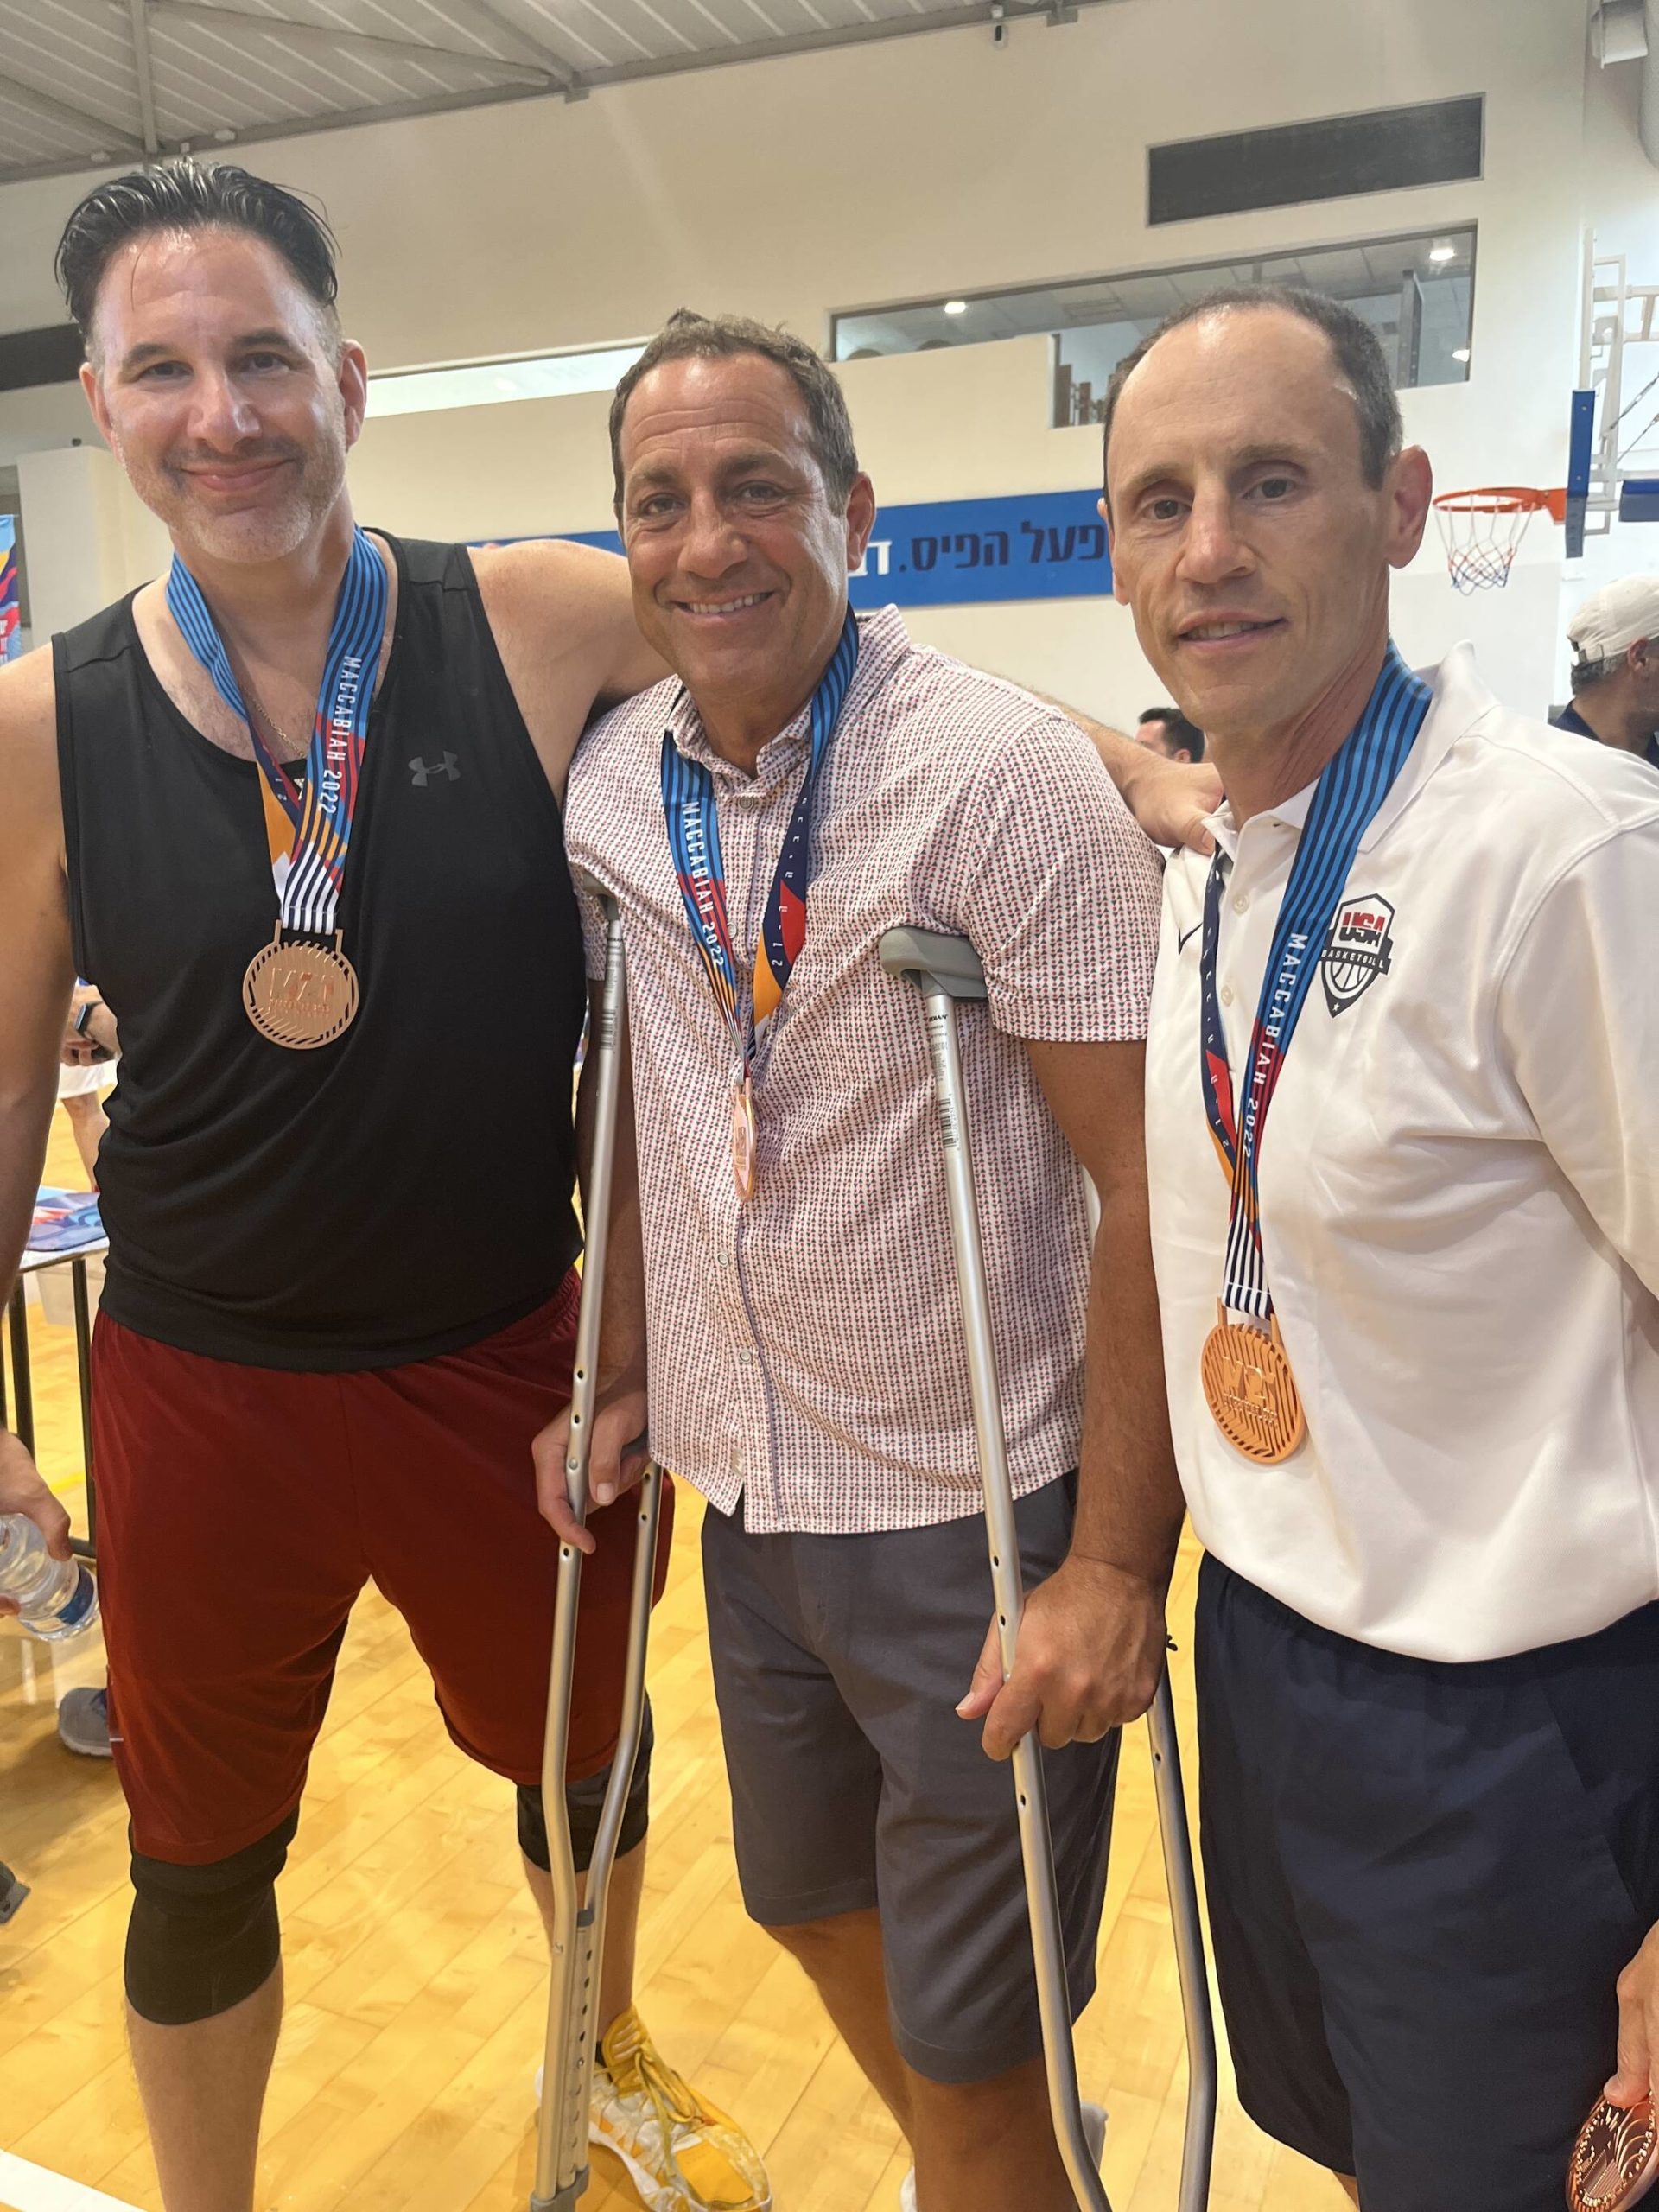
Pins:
<point x="946" y="970"/>
<point x="579" y="1930"/>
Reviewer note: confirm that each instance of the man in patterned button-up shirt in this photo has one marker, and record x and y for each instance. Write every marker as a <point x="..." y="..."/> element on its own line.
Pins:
<point x="806" y="1371"/>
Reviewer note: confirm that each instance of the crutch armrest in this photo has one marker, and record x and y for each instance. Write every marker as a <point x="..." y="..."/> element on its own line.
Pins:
<point x="935" y="957"/>
<point x="591" y="887"/>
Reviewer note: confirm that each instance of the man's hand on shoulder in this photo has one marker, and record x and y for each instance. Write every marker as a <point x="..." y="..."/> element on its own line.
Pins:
<point x="1168" y="798"/>
<point x="563" y="619"/>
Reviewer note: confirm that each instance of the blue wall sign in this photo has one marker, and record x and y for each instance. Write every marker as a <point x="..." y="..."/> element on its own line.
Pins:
<point x="966" y="552"/>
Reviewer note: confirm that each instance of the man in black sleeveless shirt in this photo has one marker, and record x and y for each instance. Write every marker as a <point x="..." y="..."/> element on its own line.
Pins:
<point x="329" y="1332"/>
<point x="331" y="1329"/>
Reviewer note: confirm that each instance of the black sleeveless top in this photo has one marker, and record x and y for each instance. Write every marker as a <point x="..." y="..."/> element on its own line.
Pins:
<point x="406" y="1190"/>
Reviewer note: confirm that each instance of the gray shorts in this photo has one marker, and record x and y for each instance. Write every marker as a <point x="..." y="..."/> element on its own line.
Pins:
<point x="838" y="1662"/>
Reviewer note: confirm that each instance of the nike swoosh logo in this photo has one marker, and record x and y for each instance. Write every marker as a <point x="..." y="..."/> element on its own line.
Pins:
<point x="1181" y="941"/>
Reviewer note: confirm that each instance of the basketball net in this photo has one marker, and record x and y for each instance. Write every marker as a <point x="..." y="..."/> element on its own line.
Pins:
<point x="1482" y="529"/>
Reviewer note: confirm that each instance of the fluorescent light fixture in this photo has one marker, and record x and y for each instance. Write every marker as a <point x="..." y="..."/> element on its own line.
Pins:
<point x="955" y="307"/>
<point x="1459" y="352"/>
<point x="485" y="383"/>
<point x="1444" y="251"/>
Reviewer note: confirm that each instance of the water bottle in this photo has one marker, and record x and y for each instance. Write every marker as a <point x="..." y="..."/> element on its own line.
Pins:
<point x="54" y="1597"/>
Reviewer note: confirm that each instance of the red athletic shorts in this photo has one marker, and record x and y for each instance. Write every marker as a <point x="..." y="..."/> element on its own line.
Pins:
<point x="241" y="1510"/>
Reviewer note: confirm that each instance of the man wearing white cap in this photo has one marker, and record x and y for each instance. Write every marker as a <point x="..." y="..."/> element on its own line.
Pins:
<point x="1615" y="640"/>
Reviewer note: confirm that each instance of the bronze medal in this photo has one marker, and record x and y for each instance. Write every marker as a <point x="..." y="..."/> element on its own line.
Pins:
<point x="1250" y="1391"/>
<point x="300" y="994"/>
<point x="744" y="1138"/>
<point x="1615" y="2160"/>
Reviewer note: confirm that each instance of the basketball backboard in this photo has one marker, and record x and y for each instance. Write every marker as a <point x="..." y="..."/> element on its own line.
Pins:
<point x="1613" y="423"/>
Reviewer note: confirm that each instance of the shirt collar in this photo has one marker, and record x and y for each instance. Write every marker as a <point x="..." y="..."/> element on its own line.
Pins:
<point x="1459" y="701"/>
<point x="882" y="641"/>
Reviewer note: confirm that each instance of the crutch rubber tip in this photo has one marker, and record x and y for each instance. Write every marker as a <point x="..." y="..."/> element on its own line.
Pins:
<point x="565" y="2201"/>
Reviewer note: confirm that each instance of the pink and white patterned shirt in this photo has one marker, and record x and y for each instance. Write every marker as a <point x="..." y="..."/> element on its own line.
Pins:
<point x="805" y="1348"/>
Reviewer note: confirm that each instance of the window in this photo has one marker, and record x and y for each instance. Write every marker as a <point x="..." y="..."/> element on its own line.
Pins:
<point x="490" y="384"/>
<point x="1339" y="154"/>
<point x="1417" y="293"/>
<point x="51" y="355"/>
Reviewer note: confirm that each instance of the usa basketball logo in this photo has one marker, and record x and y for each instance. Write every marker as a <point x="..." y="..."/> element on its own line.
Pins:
<point x="1358" y="946"/>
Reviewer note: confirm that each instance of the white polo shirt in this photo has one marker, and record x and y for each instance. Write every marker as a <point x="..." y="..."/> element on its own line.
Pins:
<point x="1460" y="1185"/>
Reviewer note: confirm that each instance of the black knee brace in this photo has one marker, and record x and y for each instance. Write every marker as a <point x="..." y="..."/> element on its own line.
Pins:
<point x="202" y="1938"/>
<point x="586" y="1800"/>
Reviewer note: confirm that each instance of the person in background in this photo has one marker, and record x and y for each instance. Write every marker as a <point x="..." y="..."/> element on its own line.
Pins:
<point x="1166" y="730"/>
<point x="86" y="1072"/>
<point x="1615" y="640"/>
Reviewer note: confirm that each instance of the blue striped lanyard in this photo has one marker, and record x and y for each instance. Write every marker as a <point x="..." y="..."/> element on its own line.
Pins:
<point x="323" y="815"/>
<point x="694" y="840"/>
<point x="1351" y="788"/>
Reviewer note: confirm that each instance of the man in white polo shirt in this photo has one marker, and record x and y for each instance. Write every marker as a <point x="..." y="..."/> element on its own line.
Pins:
<point x="1405" y="1191"/>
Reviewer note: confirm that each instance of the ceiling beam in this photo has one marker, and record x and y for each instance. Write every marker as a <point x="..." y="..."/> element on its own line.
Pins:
<point x="992" y="15"/>
<point x="533" y="49"/>
<point x="315" y="37"/>
<point x="535" y="83"/>
<point x="146" y="81"/>
<point x="105" y="135"/>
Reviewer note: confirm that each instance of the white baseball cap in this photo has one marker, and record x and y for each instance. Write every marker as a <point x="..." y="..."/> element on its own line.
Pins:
<point x="1612" y="619"/>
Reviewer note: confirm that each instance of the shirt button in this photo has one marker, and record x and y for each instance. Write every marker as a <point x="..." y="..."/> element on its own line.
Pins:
<point x="1226" y="994"/>
<point x="744" y="1356"/>
<point x="1241" y="902"/>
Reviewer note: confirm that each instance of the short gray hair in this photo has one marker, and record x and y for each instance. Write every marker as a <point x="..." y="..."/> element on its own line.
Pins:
<point x="688" y="336"/>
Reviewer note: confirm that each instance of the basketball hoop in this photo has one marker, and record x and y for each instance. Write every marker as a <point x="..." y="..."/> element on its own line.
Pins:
<point x="1482" y="529"/>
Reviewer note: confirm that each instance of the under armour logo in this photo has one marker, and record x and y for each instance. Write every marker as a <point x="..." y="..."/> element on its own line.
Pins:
<point x="419" y="772"/>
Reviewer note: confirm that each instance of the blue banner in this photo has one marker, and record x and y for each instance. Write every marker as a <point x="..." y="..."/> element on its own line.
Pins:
<point x="966" y="552"/>
<point x="11" y="643"/>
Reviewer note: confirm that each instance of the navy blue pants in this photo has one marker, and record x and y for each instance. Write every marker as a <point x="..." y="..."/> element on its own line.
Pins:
<point x="1424" y="1881"/>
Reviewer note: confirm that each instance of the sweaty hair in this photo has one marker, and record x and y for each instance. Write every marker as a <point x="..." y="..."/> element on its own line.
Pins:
<point x="1177" y="729"/>
<point x="688" y="336"/>
<point x="1354" y="344"/>
<point x="189" y="195"/>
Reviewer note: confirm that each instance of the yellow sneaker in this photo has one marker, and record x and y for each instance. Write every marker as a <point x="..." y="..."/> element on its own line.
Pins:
<point x="681" y="2154"/>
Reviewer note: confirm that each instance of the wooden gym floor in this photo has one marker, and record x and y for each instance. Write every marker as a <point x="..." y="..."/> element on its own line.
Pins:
<point x="417" y="1971"/>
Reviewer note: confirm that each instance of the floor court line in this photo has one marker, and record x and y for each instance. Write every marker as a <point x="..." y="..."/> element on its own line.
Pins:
<point x="26" y="2187"/>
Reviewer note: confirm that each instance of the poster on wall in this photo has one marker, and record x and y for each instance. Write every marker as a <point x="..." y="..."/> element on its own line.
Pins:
<point x="11" y="642"/>
<point x="967" y="552"/>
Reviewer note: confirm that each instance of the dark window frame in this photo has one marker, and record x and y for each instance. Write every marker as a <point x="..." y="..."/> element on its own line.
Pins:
<point x="1401" y="149"/>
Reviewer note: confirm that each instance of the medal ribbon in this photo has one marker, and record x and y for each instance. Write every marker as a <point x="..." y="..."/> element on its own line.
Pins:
<point x="310" y="876"/>
<point x="1352" y="789"/>
<point x="694" y="840"/>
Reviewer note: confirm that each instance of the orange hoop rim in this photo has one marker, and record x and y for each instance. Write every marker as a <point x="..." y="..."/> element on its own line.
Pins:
<point x="1505" y="500"/>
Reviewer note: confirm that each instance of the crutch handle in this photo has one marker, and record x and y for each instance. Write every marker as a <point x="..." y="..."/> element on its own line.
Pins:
<point x="933" y="956"/>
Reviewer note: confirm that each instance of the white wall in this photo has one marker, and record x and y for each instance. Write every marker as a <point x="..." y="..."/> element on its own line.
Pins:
<point x="790" y="189"/>
<point x="89" y="539"/>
